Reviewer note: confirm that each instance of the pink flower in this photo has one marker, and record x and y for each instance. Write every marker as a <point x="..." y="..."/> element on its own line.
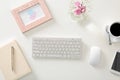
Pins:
<point x="77" y="11"/>
<point x="77" y="3"/>
<point x="83" y="9"/>
<point x="79" y="8"/>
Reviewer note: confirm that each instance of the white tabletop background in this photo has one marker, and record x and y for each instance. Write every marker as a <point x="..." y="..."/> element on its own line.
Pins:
<point x="101" y="13"/>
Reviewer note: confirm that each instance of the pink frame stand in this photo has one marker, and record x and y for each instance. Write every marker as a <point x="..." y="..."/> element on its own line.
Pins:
<point x="19" y="21"/>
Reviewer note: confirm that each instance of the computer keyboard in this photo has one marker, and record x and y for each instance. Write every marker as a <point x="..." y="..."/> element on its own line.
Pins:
<point x="56" y="47"/>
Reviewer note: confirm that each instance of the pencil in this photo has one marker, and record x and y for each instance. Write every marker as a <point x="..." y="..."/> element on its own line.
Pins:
<point x="12" y="58"/>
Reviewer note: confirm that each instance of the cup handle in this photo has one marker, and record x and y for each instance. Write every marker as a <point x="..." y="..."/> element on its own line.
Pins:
<point x="110" y="42"/>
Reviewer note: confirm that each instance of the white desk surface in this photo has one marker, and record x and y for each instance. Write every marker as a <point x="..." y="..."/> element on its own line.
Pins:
<point x="102" y="12"/>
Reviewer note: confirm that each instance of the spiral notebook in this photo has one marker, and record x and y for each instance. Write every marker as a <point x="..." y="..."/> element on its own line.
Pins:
<point x="21" y="67"/>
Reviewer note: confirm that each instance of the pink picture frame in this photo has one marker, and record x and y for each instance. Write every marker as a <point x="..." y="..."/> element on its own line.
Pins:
<point x="21" y="16"/>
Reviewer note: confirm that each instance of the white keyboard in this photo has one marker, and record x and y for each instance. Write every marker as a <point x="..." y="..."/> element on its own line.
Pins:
<point x="56" y="47"/>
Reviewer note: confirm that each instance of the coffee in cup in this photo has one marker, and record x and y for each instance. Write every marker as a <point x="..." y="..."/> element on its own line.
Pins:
<point x="115" y="29"/>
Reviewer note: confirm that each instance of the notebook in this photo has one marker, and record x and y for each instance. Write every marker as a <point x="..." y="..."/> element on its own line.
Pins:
<point x="21" y="67"/>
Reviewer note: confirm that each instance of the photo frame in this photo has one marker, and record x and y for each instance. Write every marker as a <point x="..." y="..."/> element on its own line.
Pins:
<point x="31" y="14"/>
